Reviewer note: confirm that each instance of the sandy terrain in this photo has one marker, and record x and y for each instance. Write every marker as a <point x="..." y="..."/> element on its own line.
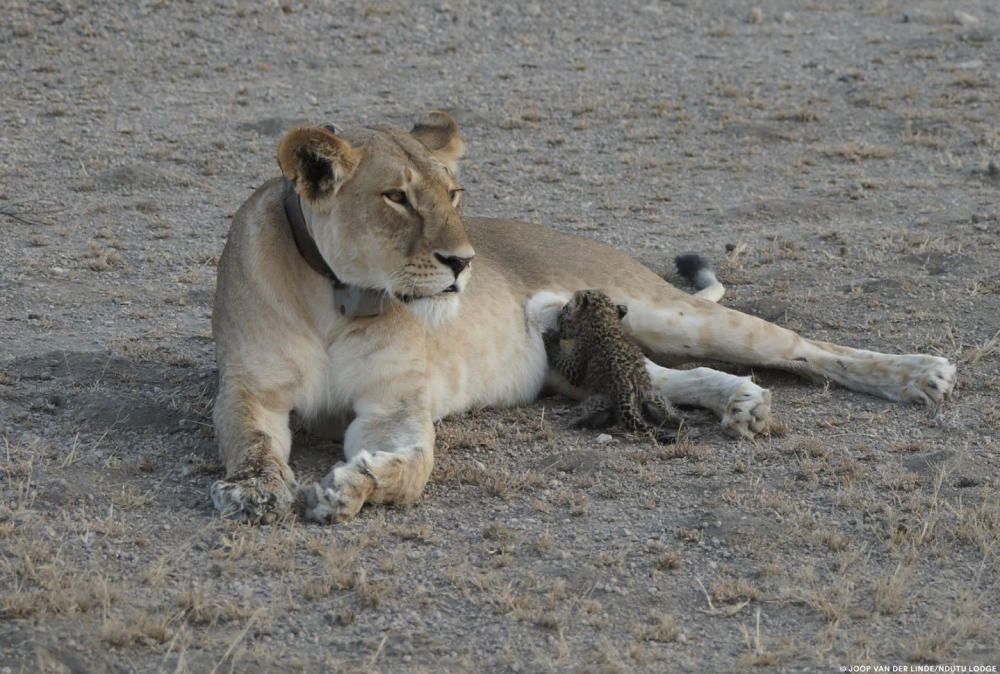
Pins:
<point x="832" y="158"/>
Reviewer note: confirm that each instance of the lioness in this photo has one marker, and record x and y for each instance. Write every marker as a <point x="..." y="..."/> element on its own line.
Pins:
<point x="360" y="293"/>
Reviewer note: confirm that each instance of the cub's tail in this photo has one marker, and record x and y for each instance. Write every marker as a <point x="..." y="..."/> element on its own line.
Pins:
<point x="697" y="271"/>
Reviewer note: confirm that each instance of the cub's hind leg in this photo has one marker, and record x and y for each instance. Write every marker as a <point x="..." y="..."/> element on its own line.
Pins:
<point x="597" y="411"/>
<point x="657" y="410"/>
<point x="254" y="442"/>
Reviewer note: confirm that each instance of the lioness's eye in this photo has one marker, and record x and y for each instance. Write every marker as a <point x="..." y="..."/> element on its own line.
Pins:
<point x="454" y="194"/>
<point x="396" y="197"/>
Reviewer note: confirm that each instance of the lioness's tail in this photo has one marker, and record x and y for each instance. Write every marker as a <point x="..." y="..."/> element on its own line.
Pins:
<point x="696" y="270"/>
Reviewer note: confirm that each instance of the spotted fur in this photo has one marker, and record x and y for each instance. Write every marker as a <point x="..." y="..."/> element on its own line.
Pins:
<point x="604" y="362"/>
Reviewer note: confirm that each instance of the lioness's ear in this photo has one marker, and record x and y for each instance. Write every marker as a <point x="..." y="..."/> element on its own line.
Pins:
<point x="317" y="161"/>
<point x="439" y="133"/>
<point x="622" y="310"/>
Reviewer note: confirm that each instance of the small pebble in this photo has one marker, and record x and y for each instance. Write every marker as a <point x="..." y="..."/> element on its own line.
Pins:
<point x="965" y="19"/>
<point x="756" y="15"/>
<point x="24" y="30"/>
<point x="604" y="437"/>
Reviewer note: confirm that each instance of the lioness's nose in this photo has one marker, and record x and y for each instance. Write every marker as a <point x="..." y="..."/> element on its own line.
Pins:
<point x="456" y="263"/>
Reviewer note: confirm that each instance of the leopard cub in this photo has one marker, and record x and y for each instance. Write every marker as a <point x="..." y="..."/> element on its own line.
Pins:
<point x="591" y="350"/>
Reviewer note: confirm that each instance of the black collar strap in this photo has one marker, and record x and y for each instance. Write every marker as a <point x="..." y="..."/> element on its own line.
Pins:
<point x="350" y="300"/>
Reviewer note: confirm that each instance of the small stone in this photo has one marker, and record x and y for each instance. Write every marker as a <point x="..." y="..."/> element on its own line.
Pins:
<point x="965" y="19"/>
<point x="756" y="15"/>
<point x="604" y="438"/>
<point x="24" y="30"/>
<point x="974" y="64"/>
<point x="787" y="17"/>
<point x="993" y="169"/>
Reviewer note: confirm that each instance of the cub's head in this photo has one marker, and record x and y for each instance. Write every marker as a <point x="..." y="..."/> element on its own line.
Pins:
<point x="383" y="207"/>
<point x="589" y="310"/>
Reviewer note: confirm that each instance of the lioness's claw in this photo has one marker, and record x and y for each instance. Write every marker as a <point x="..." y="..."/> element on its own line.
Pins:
<point x="926" y="379"/>
<point x="326" y="505"/>
<point x="256" y="499"/>
<point x="748" y="412"/>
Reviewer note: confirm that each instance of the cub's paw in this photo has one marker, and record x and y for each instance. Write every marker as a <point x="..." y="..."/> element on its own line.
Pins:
<point x="924" y="379"/>
<point x="334" y="500"/>
<point x="260" y="498"/>
<point x="748" y="411"/>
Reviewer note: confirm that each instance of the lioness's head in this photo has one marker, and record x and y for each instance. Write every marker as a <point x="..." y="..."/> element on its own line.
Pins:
<point x="382" y="205"/>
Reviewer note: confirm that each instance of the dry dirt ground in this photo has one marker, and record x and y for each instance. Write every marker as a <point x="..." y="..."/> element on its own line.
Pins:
<point x="833" y="158"/>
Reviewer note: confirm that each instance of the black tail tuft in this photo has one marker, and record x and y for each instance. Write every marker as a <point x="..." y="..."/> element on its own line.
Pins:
<point x="689" y="265"/>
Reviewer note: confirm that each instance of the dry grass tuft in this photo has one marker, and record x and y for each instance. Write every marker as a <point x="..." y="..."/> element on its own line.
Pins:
<point x="834" y="540"/>
<point x="139" y="630"/>
<point x="197" y="608"/>
<point x="801" y="115"/>
<point x="662" y="627"/>
<point x="857" y="151"/>
<point x="669" y="561"/>
<point x="757" y="655"/>
<point x="684" y="449"/>
<point x="496" y="480"/>
<point x="418" y="534"/>
<point x="890" y="591"/>
<point x="832" y="601"/>
<point x="100" y="258"/>
<point x="732" y="590"/>
<point x="988" y="349"/>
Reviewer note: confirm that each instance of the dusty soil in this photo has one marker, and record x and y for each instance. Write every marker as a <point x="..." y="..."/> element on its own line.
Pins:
<point x="832" y="158"/>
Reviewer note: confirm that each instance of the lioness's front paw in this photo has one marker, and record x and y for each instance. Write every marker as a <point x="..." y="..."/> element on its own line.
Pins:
<point x="925" y="379"/>
<point x="748" y="411"/>
<point x="259" y="498"/>
<point x="337" y="502"/>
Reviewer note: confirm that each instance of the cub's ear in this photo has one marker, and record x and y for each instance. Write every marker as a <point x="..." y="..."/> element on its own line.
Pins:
<point x="622" y="310"/>
<point x="316" y="160"/>
<point x="439" y="133"/>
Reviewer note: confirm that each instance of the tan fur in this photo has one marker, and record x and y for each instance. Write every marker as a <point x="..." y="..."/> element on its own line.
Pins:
<point x="281" y="346"/>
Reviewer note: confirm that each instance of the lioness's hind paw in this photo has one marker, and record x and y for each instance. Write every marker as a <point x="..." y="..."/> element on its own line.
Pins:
<point x="748" y="412"/>
<point x="255" y="499"/>
<point x="930" y="380"/>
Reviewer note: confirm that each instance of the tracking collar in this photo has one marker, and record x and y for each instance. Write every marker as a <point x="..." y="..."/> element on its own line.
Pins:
<point x="351" y="301"/>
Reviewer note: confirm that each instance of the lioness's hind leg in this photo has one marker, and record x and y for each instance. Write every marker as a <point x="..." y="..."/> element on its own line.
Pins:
<point x="254" y="443"/>
<point x="688" y="327"/>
